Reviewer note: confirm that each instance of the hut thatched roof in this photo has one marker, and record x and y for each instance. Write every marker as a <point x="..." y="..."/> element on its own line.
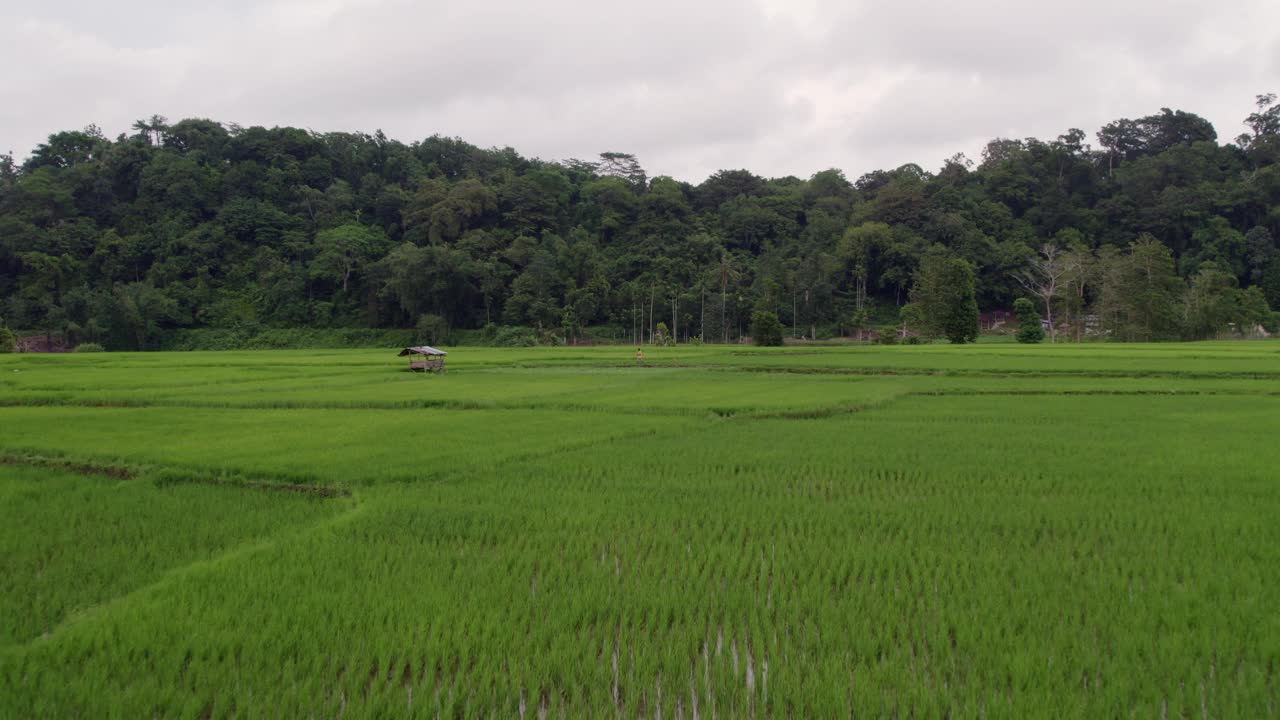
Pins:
<point x="422" y="350"/>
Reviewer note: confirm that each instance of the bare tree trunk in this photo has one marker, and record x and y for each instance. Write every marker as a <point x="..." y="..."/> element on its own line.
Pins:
<point x="651" y="326"/>
<point x="702" y="317"/>
<point x="1041" y="280"/>
<point x="794" y="326"/>
<point x="1083" y="317"/>
<point x="813" y="331"/>
<point x="724" y="326"/>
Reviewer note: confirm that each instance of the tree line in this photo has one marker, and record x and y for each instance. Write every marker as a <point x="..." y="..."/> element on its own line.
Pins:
<point x="1157" y="232"/>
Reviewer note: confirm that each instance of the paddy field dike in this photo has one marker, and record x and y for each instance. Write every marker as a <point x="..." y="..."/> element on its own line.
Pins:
<point x="999" y="531"/>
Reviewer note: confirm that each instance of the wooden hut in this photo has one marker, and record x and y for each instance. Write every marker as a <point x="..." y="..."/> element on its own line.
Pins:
<point x="424" y="358"/>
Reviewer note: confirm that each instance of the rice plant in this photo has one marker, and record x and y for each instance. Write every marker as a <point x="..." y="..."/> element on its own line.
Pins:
<point x="987" y="531"/>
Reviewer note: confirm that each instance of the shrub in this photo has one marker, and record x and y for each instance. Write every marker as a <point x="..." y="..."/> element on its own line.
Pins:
<point x="663" y="335"/>
<point x="912" y="318"/>
<point x="1272" y="325"/>
<point x="8" y="342"/>
<point x="859" y="321"/>
<point x="432" y="329"/>
<point x="287" y="338"/>
<point x="766" y="329"/>
<point x="89" y="347"/>
<point x="510" y="336"/>
<point x="1029" y="329"/>
<point x="887" y="335"/>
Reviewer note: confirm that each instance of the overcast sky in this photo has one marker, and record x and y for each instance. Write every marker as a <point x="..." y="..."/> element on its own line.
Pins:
<point x="780" y="87"/>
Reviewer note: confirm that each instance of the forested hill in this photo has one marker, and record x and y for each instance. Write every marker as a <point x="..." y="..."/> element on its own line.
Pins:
<point x="1156" y="230"/>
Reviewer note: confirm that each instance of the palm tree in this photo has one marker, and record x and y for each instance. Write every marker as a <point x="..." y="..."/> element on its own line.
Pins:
<point x="727" y="271"/>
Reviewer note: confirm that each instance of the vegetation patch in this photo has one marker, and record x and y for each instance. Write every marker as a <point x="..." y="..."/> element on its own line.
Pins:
<point x="117" y="472"/>
<point x="929" y="531"/>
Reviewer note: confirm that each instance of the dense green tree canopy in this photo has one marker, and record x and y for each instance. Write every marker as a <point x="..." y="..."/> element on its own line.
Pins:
<point x="1029" y="328"/>
<point x="1161" y="231"/>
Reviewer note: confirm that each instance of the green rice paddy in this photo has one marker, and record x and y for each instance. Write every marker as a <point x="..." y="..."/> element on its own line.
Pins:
<point x="987" y="531"/>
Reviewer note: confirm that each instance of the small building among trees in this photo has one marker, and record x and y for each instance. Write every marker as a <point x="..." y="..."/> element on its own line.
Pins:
<point x="424" y="358"/>
<point x="43" y="343"/>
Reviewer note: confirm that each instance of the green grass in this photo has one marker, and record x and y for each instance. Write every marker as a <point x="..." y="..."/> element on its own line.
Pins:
<point x="70" y="543"/>
<point x="305" y="446"/>
<point x="999" y="531"/>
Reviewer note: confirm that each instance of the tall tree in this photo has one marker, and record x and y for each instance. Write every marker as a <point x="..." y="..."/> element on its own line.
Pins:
<point x="1140" y="294"/>
<point x="339" y="251"/>
<point x="944" y="293"/>
<point x="1080" y="274"/>
<point x="726" y="272"/>
<point x="622" y="165"/>
<point x="860" y="247"/>
<point x="1043" y="278"/>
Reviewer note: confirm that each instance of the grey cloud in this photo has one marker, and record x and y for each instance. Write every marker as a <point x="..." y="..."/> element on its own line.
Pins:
<point x="780" y="87"/>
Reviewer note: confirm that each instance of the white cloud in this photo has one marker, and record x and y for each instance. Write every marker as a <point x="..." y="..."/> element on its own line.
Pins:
<point x="778" y="87"/>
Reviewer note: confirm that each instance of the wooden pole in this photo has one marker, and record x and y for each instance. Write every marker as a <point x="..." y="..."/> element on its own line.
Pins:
<point x="675" y="301"/>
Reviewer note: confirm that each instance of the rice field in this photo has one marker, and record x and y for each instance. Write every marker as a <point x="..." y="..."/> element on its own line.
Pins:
<point x="934" y="531"/>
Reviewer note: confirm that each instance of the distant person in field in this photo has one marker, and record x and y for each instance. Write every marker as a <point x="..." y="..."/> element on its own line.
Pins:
<point x="639" y="356"/>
